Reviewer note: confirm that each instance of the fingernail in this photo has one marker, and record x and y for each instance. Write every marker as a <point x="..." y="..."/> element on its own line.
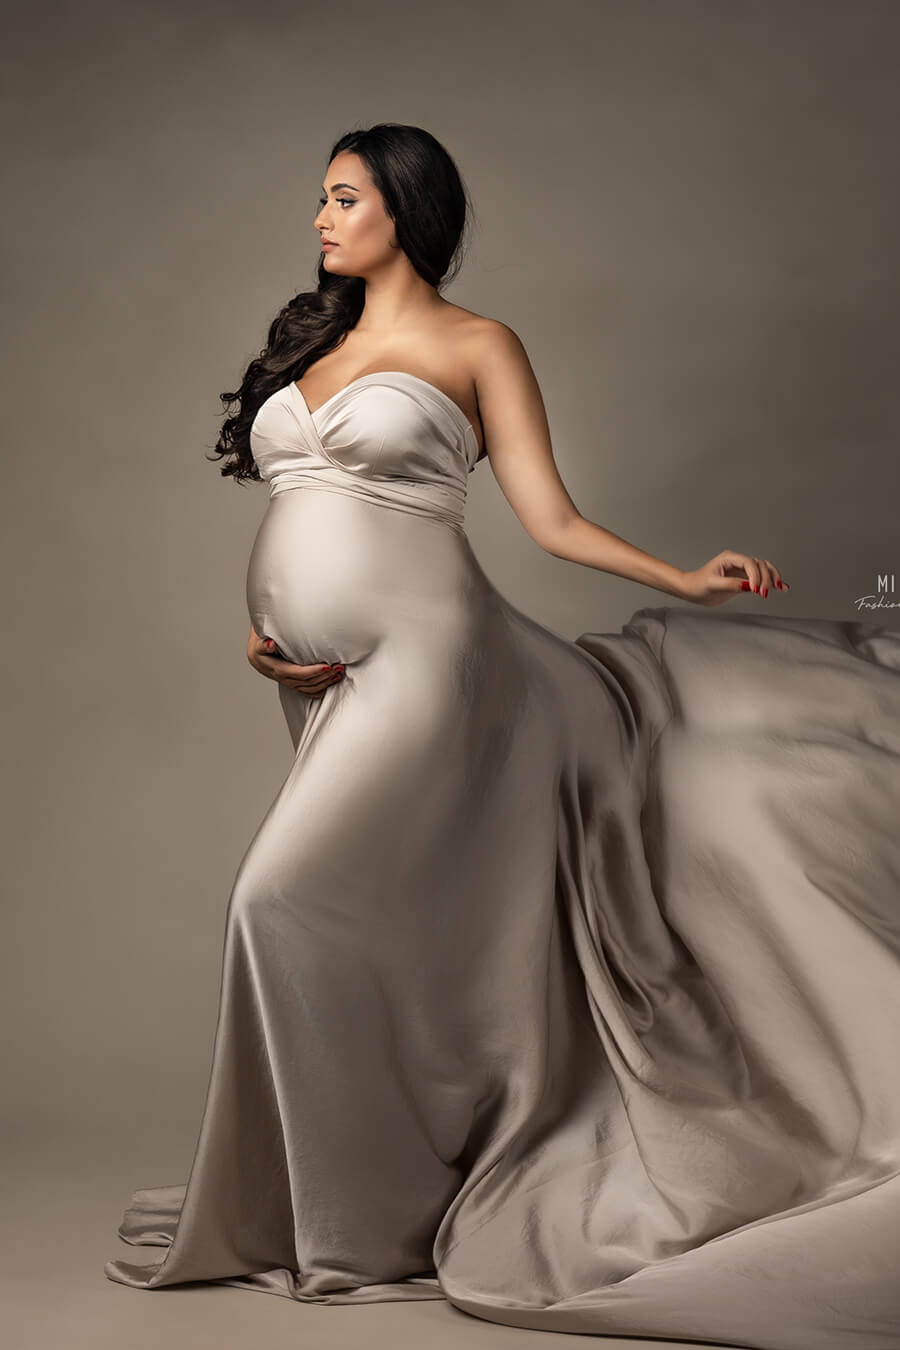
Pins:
<point x="269" y="642"/>
<point x="756" y="590"/>
<point x="765" y="591"/>
<point x="745" y="585"/>
<point x="326" y="667"/>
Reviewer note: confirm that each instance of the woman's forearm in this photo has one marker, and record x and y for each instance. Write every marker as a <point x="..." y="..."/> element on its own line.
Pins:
<point x="581" y="541"/>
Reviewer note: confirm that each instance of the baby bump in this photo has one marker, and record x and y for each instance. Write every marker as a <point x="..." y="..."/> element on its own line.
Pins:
<point x="331" y="576"/>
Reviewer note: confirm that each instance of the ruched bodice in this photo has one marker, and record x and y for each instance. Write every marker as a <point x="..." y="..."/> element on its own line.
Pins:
<point x="389" y="437"/>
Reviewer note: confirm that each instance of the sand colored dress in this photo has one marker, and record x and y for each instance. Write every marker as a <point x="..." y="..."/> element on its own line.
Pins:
<point x="561" y="979"/>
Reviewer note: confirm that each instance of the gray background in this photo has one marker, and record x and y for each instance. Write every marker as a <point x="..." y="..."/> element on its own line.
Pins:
<point x="687" y="210"/>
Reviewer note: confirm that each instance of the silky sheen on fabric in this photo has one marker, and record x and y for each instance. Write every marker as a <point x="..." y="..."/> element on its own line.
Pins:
<point x="561" y="979"/>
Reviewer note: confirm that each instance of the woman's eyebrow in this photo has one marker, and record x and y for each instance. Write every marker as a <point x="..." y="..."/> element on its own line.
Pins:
<point x="335" y="186"/>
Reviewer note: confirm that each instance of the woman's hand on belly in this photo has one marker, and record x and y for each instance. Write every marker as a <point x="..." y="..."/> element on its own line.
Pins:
<point x="265" y="658"/>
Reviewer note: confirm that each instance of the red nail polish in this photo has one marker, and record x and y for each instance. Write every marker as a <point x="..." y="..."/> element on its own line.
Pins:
<point x="765" y="591"/>
<point x="745" y="585"/>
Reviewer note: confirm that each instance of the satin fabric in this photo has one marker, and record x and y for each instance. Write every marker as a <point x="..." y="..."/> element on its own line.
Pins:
<point x="560" y="980"/>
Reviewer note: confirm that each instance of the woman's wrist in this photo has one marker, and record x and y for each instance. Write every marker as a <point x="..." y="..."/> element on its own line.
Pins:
<point x="584" y="541"/>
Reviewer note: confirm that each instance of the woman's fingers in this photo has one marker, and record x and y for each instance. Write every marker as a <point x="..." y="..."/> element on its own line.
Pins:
<point x="315" y="686"/>
<point x="776" y="580"/>
<point x="312" y="679"/>
<point x="761" y="576"/>
<point x="738" y="568"/>
<point x="313" y="690"/>
<point x="766" y="577"/>
<point x="754" y="575"/>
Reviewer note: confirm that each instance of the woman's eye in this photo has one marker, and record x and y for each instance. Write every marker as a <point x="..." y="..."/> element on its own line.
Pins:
<point x="349" y="200"/>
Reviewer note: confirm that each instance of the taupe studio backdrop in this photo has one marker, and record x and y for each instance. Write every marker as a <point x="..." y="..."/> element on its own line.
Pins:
<point x="689" y="213"/>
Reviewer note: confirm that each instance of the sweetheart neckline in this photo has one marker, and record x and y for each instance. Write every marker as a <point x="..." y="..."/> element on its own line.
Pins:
<point x="376" y="374"/>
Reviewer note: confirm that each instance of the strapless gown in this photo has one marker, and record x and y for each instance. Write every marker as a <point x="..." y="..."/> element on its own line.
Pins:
<point x="561" y="980"/>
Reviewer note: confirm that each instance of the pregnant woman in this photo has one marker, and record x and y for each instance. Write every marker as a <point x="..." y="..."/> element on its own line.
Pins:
<point x="561" y="979"/>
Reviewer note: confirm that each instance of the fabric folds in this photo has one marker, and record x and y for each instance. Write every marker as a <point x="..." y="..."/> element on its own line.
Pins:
<point x="560" y="979"/>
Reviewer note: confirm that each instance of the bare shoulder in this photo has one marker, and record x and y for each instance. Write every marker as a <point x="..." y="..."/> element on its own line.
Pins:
<point x="488" y="343"/>
<point x="481" y="329"/>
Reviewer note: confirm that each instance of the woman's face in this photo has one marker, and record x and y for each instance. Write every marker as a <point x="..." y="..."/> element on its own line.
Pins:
<point x="352" y="215"/>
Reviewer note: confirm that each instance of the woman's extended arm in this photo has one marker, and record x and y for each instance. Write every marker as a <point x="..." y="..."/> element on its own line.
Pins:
<point x="517" y="438"/>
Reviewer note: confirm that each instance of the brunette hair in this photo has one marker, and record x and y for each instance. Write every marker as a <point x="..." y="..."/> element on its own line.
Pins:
<point x="425" y="197"/>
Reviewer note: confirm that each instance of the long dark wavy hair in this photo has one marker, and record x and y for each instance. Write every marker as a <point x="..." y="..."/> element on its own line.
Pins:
<point x="427" y="200"/>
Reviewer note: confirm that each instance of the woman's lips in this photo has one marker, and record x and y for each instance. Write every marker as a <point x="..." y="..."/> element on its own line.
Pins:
<point x="329" y="245"/>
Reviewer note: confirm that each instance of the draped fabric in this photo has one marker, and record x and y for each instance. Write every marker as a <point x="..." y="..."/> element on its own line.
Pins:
<point x="560" y="979"/>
